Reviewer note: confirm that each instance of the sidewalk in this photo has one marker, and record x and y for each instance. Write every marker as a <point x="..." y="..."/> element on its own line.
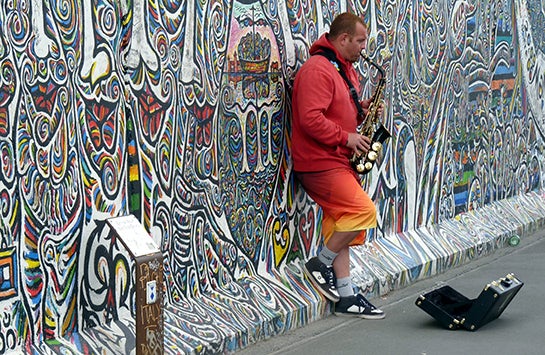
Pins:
<point x="407" y="330"/>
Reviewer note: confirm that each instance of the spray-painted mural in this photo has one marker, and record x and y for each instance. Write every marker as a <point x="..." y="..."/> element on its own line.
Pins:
<point x="179" y="113"/>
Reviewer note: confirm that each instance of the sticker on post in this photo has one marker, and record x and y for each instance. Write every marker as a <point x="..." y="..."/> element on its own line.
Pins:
<point x="151" y="292"/>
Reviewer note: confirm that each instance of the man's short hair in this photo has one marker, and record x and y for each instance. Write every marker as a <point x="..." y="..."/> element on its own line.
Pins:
<point x="344" y="23"/>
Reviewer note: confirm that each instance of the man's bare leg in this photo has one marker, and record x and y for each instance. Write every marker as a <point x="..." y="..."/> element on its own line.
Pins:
<point x="338" y="243"/>
<point x="341" y="264"/>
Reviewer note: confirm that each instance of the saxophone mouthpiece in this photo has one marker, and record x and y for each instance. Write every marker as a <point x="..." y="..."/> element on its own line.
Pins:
<point x="368" y="60"/>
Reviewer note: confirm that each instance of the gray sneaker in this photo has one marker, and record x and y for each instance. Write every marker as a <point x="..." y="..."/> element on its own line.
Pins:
<point x="357" y="306"/>
<point x="322" y="277"/>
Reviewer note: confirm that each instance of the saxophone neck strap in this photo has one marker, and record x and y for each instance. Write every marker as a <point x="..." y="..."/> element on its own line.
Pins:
<point x="329" y="54"/>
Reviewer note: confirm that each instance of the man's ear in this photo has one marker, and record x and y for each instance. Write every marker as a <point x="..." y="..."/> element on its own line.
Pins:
<point x="344" y="37"/>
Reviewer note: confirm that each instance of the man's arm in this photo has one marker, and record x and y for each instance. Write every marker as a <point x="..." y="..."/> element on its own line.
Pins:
<point x="314" y="97"/>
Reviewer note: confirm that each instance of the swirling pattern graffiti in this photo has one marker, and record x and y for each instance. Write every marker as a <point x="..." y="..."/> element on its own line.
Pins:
<point x="179" y="112"/>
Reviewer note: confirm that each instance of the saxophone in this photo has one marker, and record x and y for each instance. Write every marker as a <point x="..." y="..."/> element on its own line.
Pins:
<point x="371" y="127"/>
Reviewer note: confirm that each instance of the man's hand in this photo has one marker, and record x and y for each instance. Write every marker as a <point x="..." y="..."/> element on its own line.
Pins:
<point x="358" y="143"/>
<point x="378" y="110"/>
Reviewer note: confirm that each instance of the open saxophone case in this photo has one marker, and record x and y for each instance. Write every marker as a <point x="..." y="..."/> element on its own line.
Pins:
<point x="455" y="311"/>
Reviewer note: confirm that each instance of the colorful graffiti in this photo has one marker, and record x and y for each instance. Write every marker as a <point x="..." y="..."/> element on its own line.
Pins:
<point x="179" y="113"/>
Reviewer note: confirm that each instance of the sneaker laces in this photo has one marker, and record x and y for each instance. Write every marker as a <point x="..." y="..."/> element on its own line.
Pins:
<point x="329" y="276"/>
<point x="363" y="302"/>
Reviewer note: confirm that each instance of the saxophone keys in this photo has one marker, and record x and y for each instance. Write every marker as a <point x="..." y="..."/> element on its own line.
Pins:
<point x="360" y="168"/>
<point x="372" y="156"/>
<point x="368" y="166"/>
<point x="377" y="147"/>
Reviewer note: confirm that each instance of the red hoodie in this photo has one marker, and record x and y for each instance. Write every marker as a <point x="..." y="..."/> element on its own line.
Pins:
<point x="323" y="112"/>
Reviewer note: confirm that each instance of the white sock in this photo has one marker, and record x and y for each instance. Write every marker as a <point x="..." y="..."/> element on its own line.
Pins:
<point x="327" y="256"/>
<point x="344" y="287"/>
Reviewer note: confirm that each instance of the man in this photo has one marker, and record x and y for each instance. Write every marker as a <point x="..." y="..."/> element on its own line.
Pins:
<point x="324" y="138"/>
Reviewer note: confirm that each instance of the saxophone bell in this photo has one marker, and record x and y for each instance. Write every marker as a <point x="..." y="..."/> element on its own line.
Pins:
<point x="379" y="137"/>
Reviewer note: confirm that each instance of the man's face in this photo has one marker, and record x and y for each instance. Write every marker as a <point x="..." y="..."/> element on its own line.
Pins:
<point x="354" y="44"/>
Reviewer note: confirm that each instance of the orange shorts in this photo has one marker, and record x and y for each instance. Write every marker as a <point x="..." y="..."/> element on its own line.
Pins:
<point x="345" y="205"/>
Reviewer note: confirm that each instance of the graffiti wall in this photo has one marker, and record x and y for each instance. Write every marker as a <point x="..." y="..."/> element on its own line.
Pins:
<point x="179" y="113"/>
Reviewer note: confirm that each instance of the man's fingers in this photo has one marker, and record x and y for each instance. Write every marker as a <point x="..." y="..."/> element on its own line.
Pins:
<point x="362" y="146"/>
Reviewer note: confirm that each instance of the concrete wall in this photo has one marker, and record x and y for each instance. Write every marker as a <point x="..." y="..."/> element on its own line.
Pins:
<point x="147" y="107"/>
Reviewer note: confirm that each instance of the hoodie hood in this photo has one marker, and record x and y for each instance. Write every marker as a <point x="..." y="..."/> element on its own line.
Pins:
<point x="324" y="43"/>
